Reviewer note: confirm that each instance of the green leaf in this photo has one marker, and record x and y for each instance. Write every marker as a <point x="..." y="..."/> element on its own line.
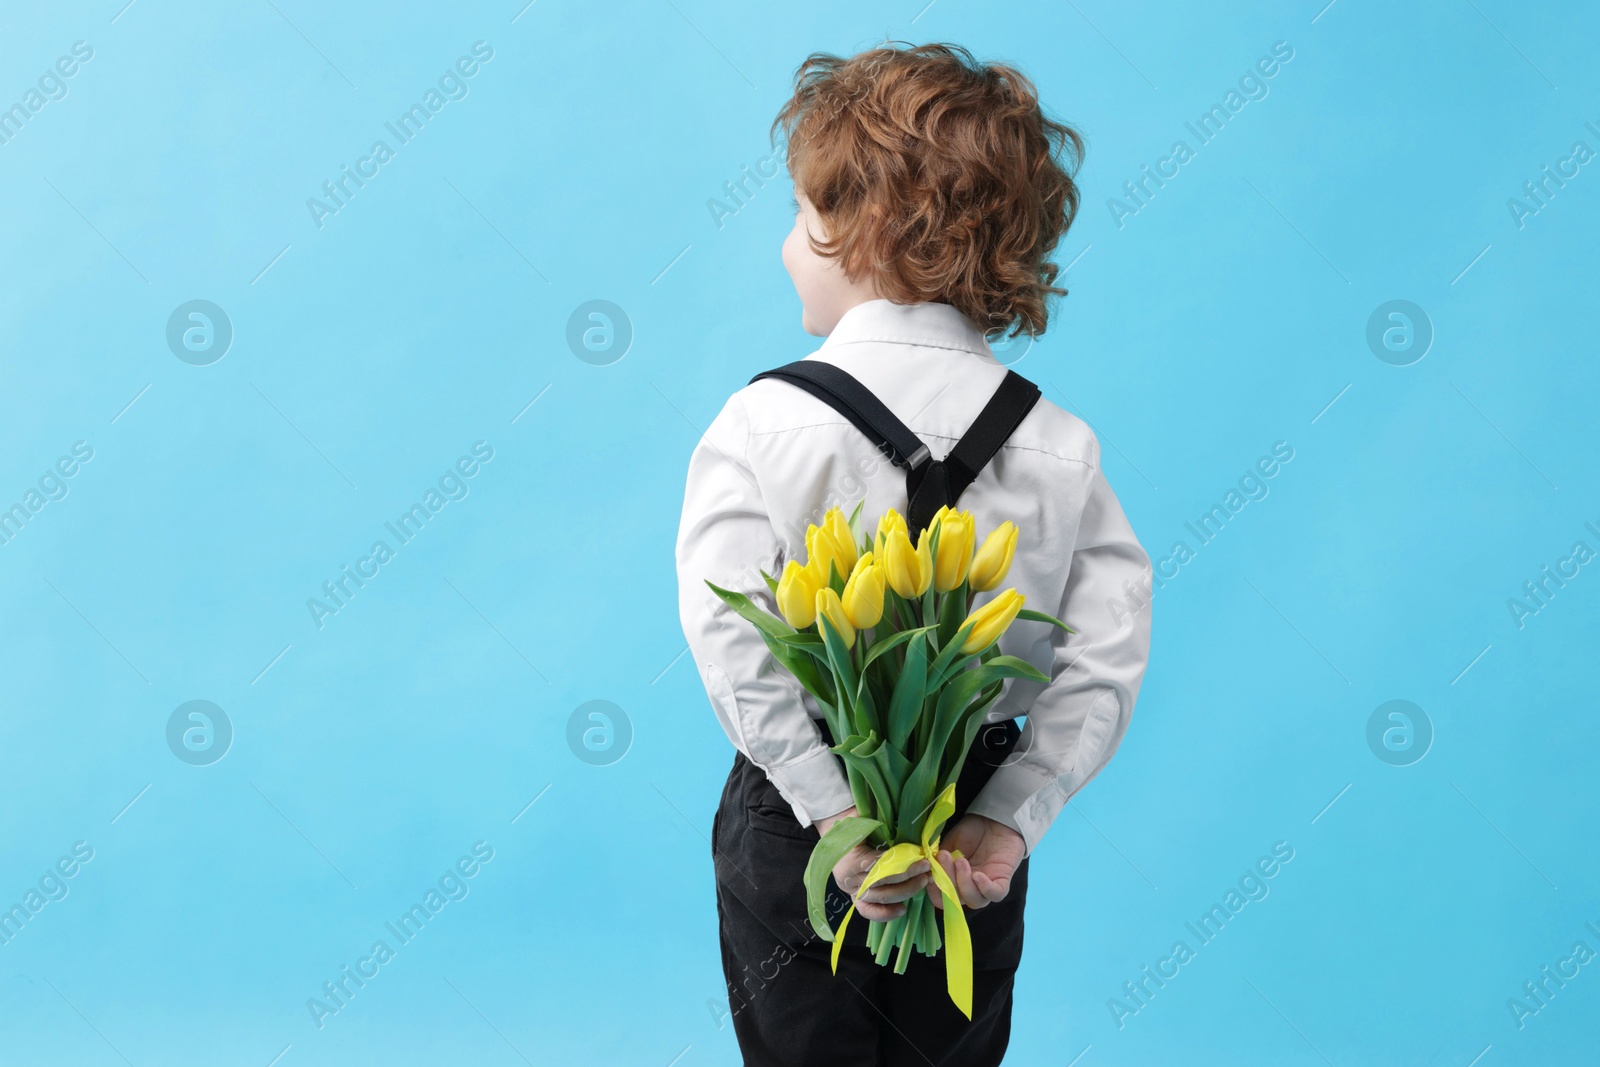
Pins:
<point x="862" y="756"/>
<point x="1008" y="667"/>
<point x="949" y="661"/>
<point x="961" y="742"/>
<point x="802" y="666"/>
<point x="917" y="798"/>
<point x="855" y="517"/>
<point x="896" y="768"/>
<point x="782" y="641"/>
<point x="880" y="647"/>
<point x="906" y="704"/>
<point x="920" y="790"/>
<point x="880" y="677"/>
<point x="953" y="700"/>
<point x="772" y="583"/>
<point x="748" y="610"/>
<point x="813" y="653"/>
<point x="807" y="642"/>
<point x="952" y="611"/>
<point x="1023" y="668"/>
<point x="838" y="657"/>
<point x="841" y="837"/>
<point x="1038" y="616"/>
<point x="862" y="795"/>
<point x="866" y="709"/>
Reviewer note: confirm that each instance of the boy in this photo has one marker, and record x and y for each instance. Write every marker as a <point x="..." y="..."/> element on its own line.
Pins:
<point x="928" y="194"/>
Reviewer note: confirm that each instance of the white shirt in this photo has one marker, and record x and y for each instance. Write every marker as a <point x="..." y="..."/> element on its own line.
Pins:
<point x="776" y="458"/>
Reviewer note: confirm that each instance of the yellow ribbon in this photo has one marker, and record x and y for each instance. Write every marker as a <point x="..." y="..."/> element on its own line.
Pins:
<point x="957" y="938"/>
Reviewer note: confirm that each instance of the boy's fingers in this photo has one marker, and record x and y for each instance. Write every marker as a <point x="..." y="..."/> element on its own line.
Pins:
<point x="852" y="870"/>
<point x="898" y="891"/>
<point x="917" y="868"/>
<point x="880" y="912"/>
<point x="993" y="889"/>
<point x="966" y="887"/>
<point x="858" y="862"/>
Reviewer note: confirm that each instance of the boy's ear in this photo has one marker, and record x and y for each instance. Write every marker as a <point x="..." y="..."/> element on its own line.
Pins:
<point x="853" y="269"/>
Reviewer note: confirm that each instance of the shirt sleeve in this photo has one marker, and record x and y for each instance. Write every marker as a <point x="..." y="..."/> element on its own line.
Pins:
<point x="1078" y="720"/>
<point x="726" y="536"/>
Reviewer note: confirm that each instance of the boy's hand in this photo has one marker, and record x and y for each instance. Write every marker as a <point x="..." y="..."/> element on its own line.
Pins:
<point x="990" y="854"/>
<point x="884" y="899"/>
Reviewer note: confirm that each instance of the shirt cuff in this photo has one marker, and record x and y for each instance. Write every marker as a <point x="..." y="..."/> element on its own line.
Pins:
<point x="814" y="786"/>
<point x="1022" y="798"/>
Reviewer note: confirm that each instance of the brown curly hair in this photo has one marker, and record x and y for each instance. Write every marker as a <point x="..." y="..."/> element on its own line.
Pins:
<point x="938" y="173"/>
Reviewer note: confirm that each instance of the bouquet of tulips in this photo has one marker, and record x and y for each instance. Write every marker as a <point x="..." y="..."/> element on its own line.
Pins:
<point x="885" y="636"/>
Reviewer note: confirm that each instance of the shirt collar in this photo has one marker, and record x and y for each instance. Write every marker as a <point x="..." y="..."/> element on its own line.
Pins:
<point x="931" y="325"/>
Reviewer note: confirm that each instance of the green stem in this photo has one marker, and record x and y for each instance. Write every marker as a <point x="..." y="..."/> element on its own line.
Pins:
<point x="929" y="940"/>
<point x="913" y="923"/>
<point x="891" y="934"/>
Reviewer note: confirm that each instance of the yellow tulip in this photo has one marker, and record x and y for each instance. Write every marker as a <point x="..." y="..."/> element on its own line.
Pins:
<point x="891" y="521"/>
<point x="924" y="560"/>
<point x="797" y="594"/>
<point x="906" y="569"/>
<point x="829" y="607"/>
<point x="993" y="558"/>
<point x="844" y="540"/>
<point x="819" y="550"/>
<point x="863" y="593"/>
<point x="831" y="542"/>
<point x="990" y="621"/>
<point x="957" y="531"/>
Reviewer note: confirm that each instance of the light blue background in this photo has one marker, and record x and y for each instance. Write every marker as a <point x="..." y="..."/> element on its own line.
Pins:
<point x="425" y="316"/>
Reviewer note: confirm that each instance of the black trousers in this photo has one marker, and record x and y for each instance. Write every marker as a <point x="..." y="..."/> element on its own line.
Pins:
<point x="787" y="1008"/>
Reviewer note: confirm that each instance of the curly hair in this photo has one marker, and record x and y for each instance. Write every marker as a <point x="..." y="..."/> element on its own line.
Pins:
<point x="937" y="176"/>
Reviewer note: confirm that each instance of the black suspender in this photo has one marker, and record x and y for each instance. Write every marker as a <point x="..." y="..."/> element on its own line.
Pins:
<point x="930" y="483"/>
<point x="840" y="390"/>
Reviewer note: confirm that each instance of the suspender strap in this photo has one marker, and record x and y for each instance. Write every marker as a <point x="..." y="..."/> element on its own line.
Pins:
<point x="930" y="483"/>
<point x="840" y="390"/>
<point x="1003" y="413"/>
